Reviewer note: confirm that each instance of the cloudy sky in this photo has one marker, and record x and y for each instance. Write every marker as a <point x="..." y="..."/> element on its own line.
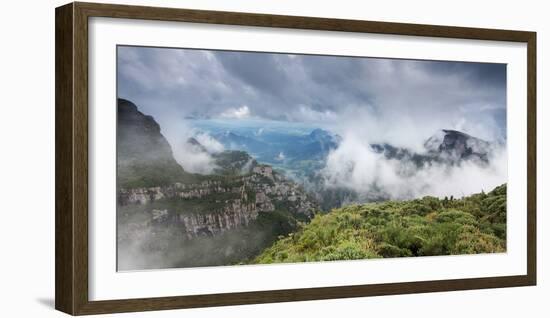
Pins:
<point x="364" y="100"/>
<point x="396" y="99"/>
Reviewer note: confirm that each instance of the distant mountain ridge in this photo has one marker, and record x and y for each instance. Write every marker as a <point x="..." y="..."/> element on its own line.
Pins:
<point x="267" y="147"/>
<point x="303" y="157"/>
<point x="461" y="145"/>
<point x="445" y="149"/>
<point x="449" y="147"/>
<point x="268" y="186"/>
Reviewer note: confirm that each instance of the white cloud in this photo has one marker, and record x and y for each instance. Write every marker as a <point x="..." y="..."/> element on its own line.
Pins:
<point x="304" y="113"/>
<point x="354" y="165"/>
<point x="190" y="157"/>
<point x="237" y="113"/>
<point x="409" y="99"/>
<point x="368" y="100"/>
<point x="211" y="144"/>
<point x="194" y="161"/>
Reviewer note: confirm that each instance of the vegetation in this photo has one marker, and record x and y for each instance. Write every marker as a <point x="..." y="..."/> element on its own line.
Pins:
<point x="152" y="235"/>
<point x="420" y="227"/>
<point x="232" y="162"/>
<point x="213" y="203"/>
<point x="167" y="248"/>
<point x="236" y="246"/>
<point x="141" y="174"/>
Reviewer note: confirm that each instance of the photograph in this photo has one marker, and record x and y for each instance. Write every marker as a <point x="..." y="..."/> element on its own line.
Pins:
<point x="238" y="158"/>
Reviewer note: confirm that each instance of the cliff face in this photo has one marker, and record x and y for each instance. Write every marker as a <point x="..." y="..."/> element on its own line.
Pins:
<point x="460" y="145"/>
<point x="455" y="146"/>
<point x="449" y="147"/>
<point x="144" y="157"/>
<point x="215" y="206"/>
<point x="167" y="217"/>
<point x="138" y="136"/>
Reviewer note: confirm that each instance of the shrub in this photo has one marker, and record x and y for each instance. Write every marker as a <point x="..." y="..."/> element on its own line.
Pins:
<point x="421" y="227"/>
<point x="388" y="250"/>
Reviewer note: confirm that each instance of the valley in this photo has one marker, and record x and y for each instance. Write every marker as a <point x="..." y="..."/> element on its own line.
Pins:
<point x="269" y="190"/>
<point x="167" y="216"/>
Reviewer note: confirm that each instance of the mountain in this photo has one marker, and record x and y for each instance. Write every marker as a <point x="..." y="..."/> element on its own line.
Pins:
<point x="297" y="154"/>
<point x="196" y="145"/>
<point x="314" y="146"/>
<point x="403" y="154"/>
<point x="421" y="227"/>
<point x="298" y="146"/>
<point x="234" y="162"/>
<point x="249" y="211"/>
<point x="232" y="140"/>
<point x="166" y="216"/>
<point x="459" y="145"/>
<point x="448" y="147"/>
<point x="144" y="157"/>
<point x="236" y="216"/>
<point x="302" y="156"/>
<point x="228" y="162"/>
<point x="325" y="137"/>
<point x="319" y="134"/>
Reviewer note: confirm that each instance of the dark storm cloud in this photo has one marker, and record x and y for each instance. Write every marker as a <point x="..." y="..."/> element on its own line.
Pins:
<point x="491" y="74"/>
<point x="263" y="72"/>
<point x="179" y="83"/>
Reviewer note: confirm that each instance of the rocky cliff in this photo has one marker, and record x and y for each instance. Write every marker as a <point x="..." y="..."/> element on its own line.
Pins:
<point x="449" y="147"/>
<point x="144" y="157"/>
<point x="162" y="209"/>
<point x="214" y="206"/>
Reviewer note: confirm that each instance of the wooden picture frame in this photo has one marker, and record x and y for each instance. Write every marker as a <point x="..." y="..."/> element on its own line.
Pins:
<point x="71" y="221"/>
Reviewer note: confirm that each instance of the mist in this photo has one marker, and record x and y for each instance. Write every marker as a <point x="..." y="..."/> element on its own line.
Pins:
<point x="191" y="158"/>
<point x="164" y="246"/>
<point x="316" y="120"/>
<point x="355" y="166"/>
<point x="364" y="100"/>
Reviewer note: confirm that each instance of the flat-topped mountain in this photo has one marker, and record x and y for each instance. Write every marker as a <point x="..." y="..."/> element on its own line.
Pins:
<point x="445" y="151"/>
<point x="459" y="145"/>
<point x="447" y="147"/>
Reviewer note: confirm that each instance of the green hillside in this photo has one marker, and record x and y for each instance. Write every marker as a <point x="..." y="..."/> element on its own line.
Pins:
<point x="420" y="227"/>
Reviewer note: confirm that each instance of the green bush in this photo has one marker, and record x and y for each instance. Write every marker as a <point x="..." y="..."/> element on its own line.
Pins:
<point x="388" y="250"/>
<point x="421" y="227"/>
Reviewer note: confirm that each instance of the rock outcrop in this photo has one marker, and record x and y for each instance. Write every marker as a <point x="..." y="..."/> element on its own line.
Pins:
<point x="449" y="147"/>
<point x="164" y="211"/>
<point x="232" y="203"/>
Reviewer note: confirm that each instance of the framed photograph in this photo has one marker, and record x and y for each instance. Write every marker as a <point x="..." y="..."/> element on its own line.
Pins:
<point x="211" y="158"/>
